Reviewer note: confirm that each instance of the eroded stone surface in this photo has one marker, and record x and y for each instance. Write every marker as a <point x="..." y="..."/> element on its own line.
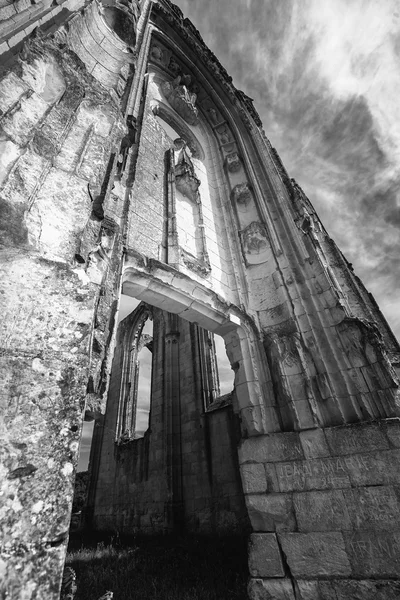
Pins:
<point x="264" y="589"/>
<point x="271" y="512"/>
<point x="264" y="556"/>
<point x="315" y="554"/>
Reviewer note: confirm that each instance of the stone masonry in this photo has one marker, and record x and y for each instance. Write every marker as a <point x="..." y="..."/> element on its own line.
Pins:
<point x="130" y="164"/>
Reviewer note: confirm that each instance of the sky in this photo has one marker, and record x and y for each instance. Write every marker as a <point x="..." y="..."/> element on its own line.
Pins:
<point x="325" y="79"/>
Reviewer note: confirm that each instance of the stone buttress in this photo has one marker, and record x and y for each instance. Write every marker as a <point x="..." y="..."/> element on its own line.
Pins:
<point x="130" y="163"/>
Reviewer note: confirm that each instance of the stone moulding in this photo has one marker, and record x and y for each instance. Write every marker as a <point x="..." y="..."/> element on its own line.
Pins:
<point x="199" y="266"/>
<point x="181" y="100"/>
<point x="187" y="32"/>
<point x="167" y="114"/>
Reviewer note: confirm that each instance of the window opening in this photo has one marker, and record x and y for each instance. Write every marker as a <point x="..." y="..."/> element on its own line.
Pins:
<point x="143" y="383"/>
<point x="86" y="442"/>
<point x="217" y="374"/>
<point x="135" y="391"/>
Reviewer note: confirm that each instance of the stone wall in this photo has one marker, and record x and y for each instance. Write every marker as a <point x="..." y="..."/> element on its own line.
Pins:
<point x="183" y="474"/>
<point x="58" y="130"/>
<point x="324" y="505"/>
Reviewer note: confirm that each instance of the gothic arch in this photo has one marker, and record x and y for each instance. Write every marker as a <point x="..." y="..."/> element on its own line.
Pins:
<point x="132" y="343"/>
<point x="253" y="398"/>
<point x="161" y="110"/>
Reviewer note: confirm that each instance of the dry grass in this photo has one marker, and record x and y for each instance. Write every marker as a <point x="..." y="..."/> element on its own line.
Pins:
<point x="161" y="569"/>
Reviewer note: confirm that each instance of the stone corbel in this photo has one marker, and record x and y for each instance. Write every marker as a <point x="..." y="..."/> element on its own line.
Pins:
<point x="255" y="243"/>
<point x="224" y="134"/>
<point x="241" y="193"/>
<point x="233" y="163"/>
<point x="186" y="181"/>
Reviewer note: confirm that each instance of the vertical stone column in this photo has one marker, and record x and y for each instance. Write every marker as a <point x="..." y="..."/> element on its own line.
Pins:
<point x="173" y="409"/>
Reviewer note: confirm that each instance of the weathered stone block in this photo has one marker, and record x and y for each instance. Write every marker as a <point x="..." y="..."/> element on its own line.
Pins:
<point x="356" y="590"/>
<point x="20" y="124"/>
<point x="392" y="428"/>
<point x="272" y="479"/>
<point x="314" y="443"/>
<point x="11" y="90"/>
<point x="322" y="511"/>
<point x="271" y="512"/>
<point x="315" y="554"/>
<point x="24" y="178"/>
<point x="308" y="590"/>
<point x="269" y="589"/>
<point x="374" y="554"/>
<point x="253" y="478"/>
<point x="325" y="473"/>
<point x="374" y="507"/>
<point x="62" y="323"/>
<point x="58" y="238"/>
<point x="264" y="556"/>
<point x="271" y="448"/>
<point x="360" y="437"/>
<point x="94" y="160"/>
<point x="377" y="468"/>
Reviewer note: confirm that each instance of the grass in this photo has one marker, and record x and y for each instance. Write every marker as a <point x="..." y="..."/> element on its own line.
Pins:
<point x="162" y="568"/>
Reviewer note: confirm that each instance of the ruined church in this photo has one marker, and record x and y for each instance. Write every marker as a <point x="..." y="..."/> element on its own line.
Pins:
<point x="131" y="167"/>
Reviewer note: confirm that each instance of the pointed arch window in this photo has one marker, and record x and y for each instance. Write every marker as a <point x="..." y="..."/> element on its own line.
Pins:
<point x="135" y="389"/>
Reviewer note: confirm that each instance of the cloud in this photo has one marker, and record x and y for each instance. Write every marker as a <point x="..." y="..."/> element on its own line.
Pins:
<point x="325" y="78"/>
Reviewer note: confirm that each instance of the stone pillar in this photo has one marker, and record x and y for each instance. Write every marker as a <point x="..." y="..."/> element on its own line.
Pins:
<point x="173" y="420"/>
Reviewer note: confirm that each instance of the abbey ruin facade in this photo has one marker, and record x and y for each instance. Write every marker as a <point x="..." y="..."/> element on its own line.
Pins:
<point x="131" y="166"/>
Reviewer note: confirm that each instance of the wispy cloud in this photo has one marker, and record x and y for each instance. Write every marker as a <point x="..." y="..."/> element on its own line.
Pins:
<point x="325" y="77"/>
